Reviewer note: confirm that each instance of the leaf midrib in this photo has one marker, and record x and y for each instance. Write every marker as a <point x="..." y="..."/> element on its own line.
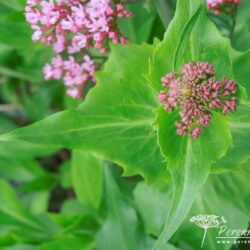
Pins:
<point x="147" y="123"/>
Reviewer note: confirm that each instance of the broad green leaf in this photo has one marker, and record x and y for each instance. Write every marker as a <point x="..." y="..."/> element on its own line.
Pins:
<point x="239" y="153"/>
<point x="190" y="37"/>
<point x="23" y="151"/>
<point x="241" y="36"/>
<point x="114" y="122"/>
<point x="241" y="62"/>
<point x="87" y="177"/>
<point x="121" y="228"/>
<point x="188" y="162"/>
<point x="153" y="202"/>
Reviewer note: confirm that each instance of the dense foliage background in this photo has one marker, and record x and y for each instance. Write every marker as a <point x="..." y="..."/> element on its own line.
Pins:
<point x="61" y="178"/>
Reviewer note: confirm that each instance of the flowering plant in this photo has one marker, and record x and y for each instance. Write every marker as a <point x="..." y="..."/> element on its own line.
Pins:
<point x="158" y="88"/>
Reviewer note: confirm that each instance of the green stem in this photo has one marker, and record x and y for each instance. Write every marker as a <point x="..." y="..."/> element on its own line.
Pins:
<point x="160" y="244"/>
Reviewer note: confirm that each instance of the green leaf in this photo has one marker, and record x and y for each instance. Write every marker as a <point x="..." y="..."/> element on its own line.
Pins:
<point x="14" y="4"/>
<point x="138" y="28"/>
<point x="154" y="205"/>
<point x="190" y="37"/>
<point x="15" y="32"/>
<point x="223" y="195"/>
<point x="241" y="70"/>
<point x="184" y="36"/>
<point x="33" y="60"/>
<point x="15" y="74"/>
<point x="230" y="191"/>
<point x="37" y="201"/>
<point x="21" y="150"/>
<point x="114" y="122"/>
<point x="239" y="153"/>
<point x="122" y="220"/>
<point x="13" y="213"/>
<point x="24" y="150"/>
<point x="66" y="175"/>
<point x="72" y="207"/>
<point x="241" y="36"/>
<point x="165" y="11"/>
<point x="87" y="176"/>
<point x="83" y="223"/>
<point x="21" y="247"/>
<point x="188" y="162"/>
<point x="68" y="243"/>
<point x="19" y="169"/>
<point x="6" y="124"/>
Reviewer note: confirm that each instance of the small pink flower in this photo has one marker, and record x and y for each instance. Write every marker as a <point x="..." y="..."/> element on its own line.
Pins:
<point x="80" y="40"/>
<point x="48" y="72"/>
<point x="32" y="15"/>
<point x="37" y="34"/>
<point x="59" y="45"/>
<point x="74" y="93"/>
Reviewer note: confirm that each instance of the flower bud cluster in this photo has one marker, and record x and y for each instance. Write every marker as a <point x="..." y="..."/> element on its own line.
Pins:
<point x="195" y="92"/>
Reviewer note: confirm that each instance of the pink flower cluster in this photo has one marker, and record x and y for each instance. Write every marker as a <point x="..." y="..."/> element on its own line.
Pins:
<point x="196" y="93"/>
<point x="216" y="5"/>
<point x="73" y="27"/>
<point x="75" y="75"/>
